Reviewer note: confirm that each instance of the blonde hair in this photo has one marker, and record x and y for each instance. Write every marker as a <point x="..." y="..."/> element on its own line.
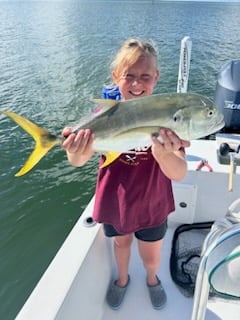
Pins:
<point x="130" y="52"/>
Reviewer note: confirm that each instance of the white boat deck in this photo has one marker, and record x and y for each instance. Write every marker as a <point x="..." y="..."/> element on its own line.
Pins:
<point x="84" y="299"/>
<point x="137" y="304"/>
<point x="75" y="284"/>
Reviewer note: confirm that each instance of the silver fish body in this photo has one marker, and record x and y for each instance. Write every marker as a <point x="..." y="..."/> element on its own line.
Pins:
<point x="126" y="125"/>
<point x="121" y="126"/>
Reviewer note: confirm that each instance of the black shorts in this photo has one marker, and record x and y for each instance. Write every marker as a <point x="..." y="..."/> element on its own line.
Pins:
<point x="148" y="235"/>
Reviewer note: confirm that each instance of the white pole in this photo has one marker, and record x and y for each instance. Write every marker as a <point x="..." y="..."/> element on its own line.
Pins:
<point x="184" y="64"/>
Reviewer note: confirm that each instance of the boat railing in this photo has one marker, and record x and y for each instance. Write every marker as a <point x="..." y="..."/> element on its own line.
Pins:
<point x="220" y="262"/>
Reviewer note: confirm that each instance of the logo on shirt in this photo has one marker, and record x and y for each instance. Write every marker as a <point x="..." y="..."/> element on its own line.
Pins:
<point x="130" y="158"/>
<point x="134" y="158"/>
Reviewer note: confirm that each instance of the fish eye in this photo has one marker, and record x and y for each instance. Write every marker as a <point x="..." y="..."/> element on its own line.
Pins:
<point x="176" y="118"/>
<point x="210" y="113"/>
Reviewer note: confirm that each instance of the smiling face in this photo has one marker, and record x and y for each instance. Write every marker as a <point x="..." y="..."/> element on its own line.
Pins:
<point x="135" y="69"/>
<point x="139" y="79"/>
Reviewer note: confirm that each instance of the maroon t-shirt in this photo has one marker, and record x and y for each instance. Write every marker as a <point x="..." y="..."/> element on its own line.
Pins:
<point x="132" y="193"/>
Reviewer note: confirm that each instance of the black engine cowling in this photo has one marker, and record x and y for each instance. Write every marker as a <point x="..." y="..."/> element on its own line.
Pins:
<point x="227" y="95"/>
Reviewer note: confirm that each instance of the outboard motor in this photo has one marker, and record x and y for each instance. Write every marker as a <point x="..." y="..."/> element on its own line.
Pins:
<point x="227" y="96"/>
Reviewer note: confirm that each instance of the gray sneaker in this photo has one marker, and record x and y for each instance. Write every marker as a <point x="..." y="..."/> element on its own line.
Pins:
<point x="157" y="295"/>
<point x="115" y="294"/>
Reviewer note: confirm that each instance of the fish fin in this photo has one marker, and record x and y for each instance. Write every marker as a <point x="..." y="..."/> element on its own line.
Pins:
<point x="106" y="102"/>
<point x="110" y="157"/>
<point x="150" y="130"/>
<point x="44" y="140"/>
<point x="38" y="153"/>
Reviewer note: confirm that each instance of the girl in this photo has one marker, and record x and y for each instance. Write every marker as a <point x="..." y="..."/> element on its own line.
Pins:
<point x="134" y="193"/>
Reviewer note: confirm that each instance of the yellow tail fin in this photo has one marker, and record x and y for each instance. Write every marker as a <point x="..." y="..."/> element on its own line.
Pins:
<point x="44" y="140"/>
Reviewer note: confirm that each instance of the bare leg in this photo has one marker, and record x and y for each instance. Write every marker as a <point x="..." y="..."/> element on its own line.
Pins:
<point x="122" y="250"/>
<point x="117" y="289"/>
<point x="150" y="253"/>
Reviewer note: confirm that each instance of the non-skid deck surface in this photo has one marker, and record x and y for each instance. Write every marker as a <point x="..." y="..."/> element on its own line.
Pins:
<point x="137" y="304"/>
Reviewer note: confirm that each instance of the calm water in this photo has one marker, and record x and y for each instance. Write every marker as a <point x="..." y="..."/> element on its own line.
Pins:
<point x="54" y="57"/>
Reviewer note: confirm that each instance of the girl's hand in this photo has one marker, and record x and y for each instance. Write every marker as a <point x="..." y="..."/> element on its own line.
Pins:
<point x="170" y="155"/>
<point x="78" y="145"/>
<point x="169" y="143"/>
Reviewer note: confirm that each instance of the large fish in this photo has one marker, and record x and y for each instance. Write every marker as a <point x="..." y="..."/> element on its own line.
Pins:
<point x="120" y="126"/>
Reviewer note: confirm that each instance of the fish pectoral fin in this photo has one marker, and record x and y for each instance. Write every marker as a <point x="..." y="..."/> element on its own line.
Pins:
<point x="44" y="140"/>
<point x="141" y="130"/>
<point x="110" y="157"/>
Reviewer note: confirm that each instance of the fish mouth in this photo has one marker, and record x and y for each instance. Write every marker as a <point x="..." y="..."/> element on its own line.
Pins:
<point x="221" y="123"/>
